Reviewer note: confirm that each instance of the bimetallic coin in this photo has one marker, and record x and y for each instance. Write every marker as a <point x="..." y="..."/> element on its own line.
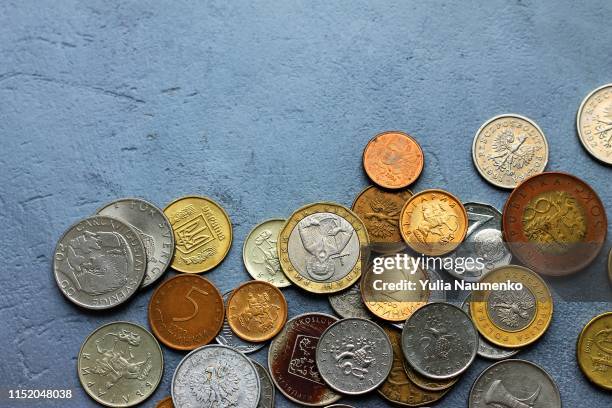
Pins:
<point x="348" y="303"/>
<point x="120" y="364"/>
<point x="99" y="262"/>
<point x="594" y="123"/>
<point x="266" y="399"/>
<point x="509" y="148"/>
<point x="227" y="337"/>
<point x="256" y="311"/>
<point x="514" y="383"/>
<point x="320" y="247"/>
<point x="428" y="383"/>
<point x="165" y="403"/>
<point x="186" y="312"/>
<point x="260" y="253"/>
<point x="439" y="341"/>
<point x="354" y="356"/>
<point x="215" y="376"/>
<point x="202" y="233"/>
<point x="154" y="230"/>
<point x="594" y="351"/>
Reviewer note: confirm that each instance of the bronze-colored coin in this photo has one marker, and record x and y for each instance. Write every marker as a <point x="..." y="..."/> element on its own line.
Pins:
<point x="433" y="222"/>
<point x="165" y="403"/>
<point x="186" y="312"/>
<point x="393" y="160"/>
<point x="594" y="351"/>
<point x="256" y="311"/>
<point x="554" y="223"/>
<point x="428" y="383"/>
<point x="610" y="265"/>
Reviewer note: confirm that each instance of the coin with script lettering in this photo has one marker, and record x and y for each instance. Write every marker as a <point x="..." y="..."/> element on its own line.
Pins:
<point x="202" y="233"/>
<point x="554" y="223"/>
<point x="260" y="253"/>
<point x="186" y="312"/>
<point x="154" y="229"/>
<point x="266" y="398"/>
<point x="120" y="364"/>
<point x="594" y="123"/>
<point x="227" y="337"/>
<point x="165" y="403"/>
<point x="99" y="262"/>
<point x="594" y="350"/>
<point x="348" y="303"/>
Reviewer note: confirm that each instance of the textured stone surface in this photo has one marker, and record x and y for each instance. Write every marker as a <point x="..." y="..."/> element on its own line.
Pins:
<point x="265" y="106"/>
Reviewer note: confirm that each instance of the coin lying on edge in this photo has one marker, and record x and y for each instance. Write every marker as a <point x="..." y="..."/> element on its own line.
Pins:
<point x="226" y="336"/>
<point x="594" y="350"/>
<point x="260" y="253"/>
<point x="120" y="364"/>
<point x="266" y="398"/>
<point x="594" y="123"/>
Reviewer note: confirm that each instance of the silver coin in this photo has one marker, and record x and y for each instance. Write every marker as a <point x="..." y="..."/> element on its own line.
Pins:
<point x="99" y="262"/>
<point x="266" y="398"/>
<point x="483" y="241"/>
<point x="354" y="356"/>
<point x="514" y="383"/>
<point x="260" y="254"/>
<point x="594" y="123"/>
<point x="226" y="336"/>
<point x="348" y="303"/>
<point x="154" y="229"/>
<point x="435" y="295"/>
<point x="215" y="376"/>
<point x="439" y="341"/>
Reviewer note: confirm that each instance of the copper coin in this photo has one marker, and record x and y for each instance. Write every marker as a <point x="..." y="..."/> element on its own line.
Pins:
<point x="393" y="160"/>
<point x="186" y="312"/>
<point x="554" y="223"/>
<point x="165" y="403"/>
<point x="256" y="311"/>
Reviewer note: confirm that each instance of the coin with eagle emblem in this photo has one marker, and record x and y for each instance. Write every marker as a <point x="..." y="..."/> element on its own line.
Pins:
<point x="594" y="123"/>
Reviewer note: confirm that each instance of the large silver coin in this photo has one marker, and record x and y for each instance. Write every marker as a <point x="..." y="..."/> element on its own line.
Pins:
<point x="348" y="303"/>
<point x="154" y="229"/>
<point x="215" y="376"/>
<point x="354" y="356"/>
<point x="594" y="123"/>
<point x="260" y="254"/>
<point x="439" y="341"/>
<point x="120" y="364"/>
<point x="514" y="383"/>
<point x="226" y="336"/>
<point x="99" y="262"/>
<point x="266" y="398"/>
<point x="484" y="241"/>
<point x="435" y="295"/>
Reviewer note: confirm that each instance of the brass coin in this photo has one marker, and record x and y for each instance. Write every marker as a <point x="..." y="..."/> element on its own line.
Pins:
<point x="594" y="123"/>
<point x="594" y="350"/>
<point x="202" y="233"/>
<point x="610" y="265"/>
<point x="428" y="383"/>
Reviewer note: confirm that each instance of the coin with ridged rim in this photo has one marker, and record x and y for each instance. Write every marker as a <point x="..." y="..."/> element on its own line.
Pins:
<point x="266" y="399"/>
<point x="594" y="350"/>
<point x="594" y="123"/>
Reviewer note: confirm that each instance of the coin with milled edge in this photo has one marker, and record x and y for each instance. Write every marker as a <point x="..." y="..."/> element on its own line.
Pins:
<point x="154" y="230"/>
<point x="226" y="336"/>
<point x="260" y="253"/>
<point x="348" y="303"/>
<point x="594" y="123"/>
<point x="354" y="356"/>
<point x="215" y="376"/>
<point x="266" y="399"/>
<point x="165" y="403"/>
<point x="594" y="351"/>
<point x="120" y="364"/>
<point x="514" y="383"/>
<point x="99" y="262"/>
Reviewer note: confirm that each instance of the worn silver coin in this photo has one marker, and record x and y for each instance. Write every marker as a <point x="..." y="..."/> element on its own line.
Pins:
<point x="260" y="253"/>
<point x="354" y="356"/>
<point x="99" y="262"/>
<point x="215" y="376"/>
<point x="348" y="303"/>
<point x="266" y="398"/>
<point x="514" y="383"/>
<point x="435" y="295"/>
<point x="154" y="229"/>
<point x="439" y="341"/>
<point x="594" y="123"/>
<point x="227" y="337"/>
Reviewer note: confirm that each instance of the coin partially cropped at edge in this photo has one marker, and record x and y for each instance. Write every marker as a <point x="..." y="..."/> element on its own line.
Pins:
<point x="260" y="253"/>
<point x="348" y="303"/>
<point x="428" y="384"/>
<point x="165" y="403"/>
<point x="266" y="398"/>
<point x="594" y="123"/>
<point x="594" y="350"/>
<point x="226" y="336"/>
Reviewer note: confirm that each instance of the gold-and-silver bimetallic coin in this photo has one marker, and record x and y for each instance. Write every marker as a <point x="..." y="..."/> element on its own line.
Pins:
<point x="594" y="123"/>
<point x="260" y="253"/>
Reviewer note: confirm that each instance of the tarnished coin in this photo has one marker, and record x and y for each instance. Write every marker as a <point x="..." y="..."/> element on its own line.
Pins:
<point x="99" y="262"/>
<point x="512" y="317"/>
<point x="292" y="364"/>
<point x="439" y="341"/>
<point x="154" y="230"/>
<point x="509" y="148"/>
<point x="554" y="223"/>
<point x="514" y="383"/>
<point x="354" y="356"/>
<point x="594" y="350"/>
<point x="266" y="398"/>
<point x="256" y="311"/>
<point x="186" y="312"/>
<point x="260" y="253"/>
<point x="120" y="364"/>
<point x="202" y="233"/>
<point x="165" y="403"/>
<point x="348" y="303"/>
<point x="215" y="376"/>
<point x="594" y="123"/>
<point x="320" y="247"/>
<point x="483" y="242"/>
<point x="433" y="222"/>
<point x="227" y="337"/>
<point x="428" y="383"/>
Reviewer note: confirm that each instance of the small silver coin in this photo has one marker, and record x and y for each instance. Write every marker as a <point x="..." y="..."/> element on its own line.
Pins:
<point x="260" y="254"/>
<point x="99" y="262"/>
<point x="348" y="303"/>
<point x="514" y="383"/>
<point x="226" y="336"/>
<point x="435" y="295"/>
<point x="439" y="341"/>
<point x="354" y="356"/>
<point x="215" y="376"/>
<point x="266" y="398"/>
<point x="154" y="229"/>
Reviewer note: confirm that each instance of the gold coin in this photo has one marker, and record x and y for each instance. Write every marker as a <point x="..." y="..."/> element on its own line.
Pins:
<point x="594" y="350"/>
<point x="202" y="233"/>
<point x="610" y="265"/>
<point x="433" y="222"/>
<point x="512" y="318"/>
<point x="428" y="383"/>
<point x="594" y="123"/>
<point x="320" y="247"/>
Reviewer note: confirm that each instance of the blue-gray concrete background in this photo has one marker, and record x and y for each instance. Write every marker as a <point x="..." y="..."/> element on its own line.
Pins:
<point x="265" y="106"/>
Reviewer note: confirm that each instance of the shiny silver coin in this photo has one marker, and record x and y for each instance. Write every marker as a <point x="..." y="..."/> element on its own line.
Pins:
<point x="260" y="254"/>
<point x="266" y="398"/>
<point x="514" y="383"/>
<point x="439" y="341"/>
<point x="435" y="295"/>
<point x="354" y="356"/>
<point x="348" y="303"/>
<point x="226" y="336"/>
<point x="215" y="376"/>
<point x="99" y="262"/>
<point x="154" y="229"/>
